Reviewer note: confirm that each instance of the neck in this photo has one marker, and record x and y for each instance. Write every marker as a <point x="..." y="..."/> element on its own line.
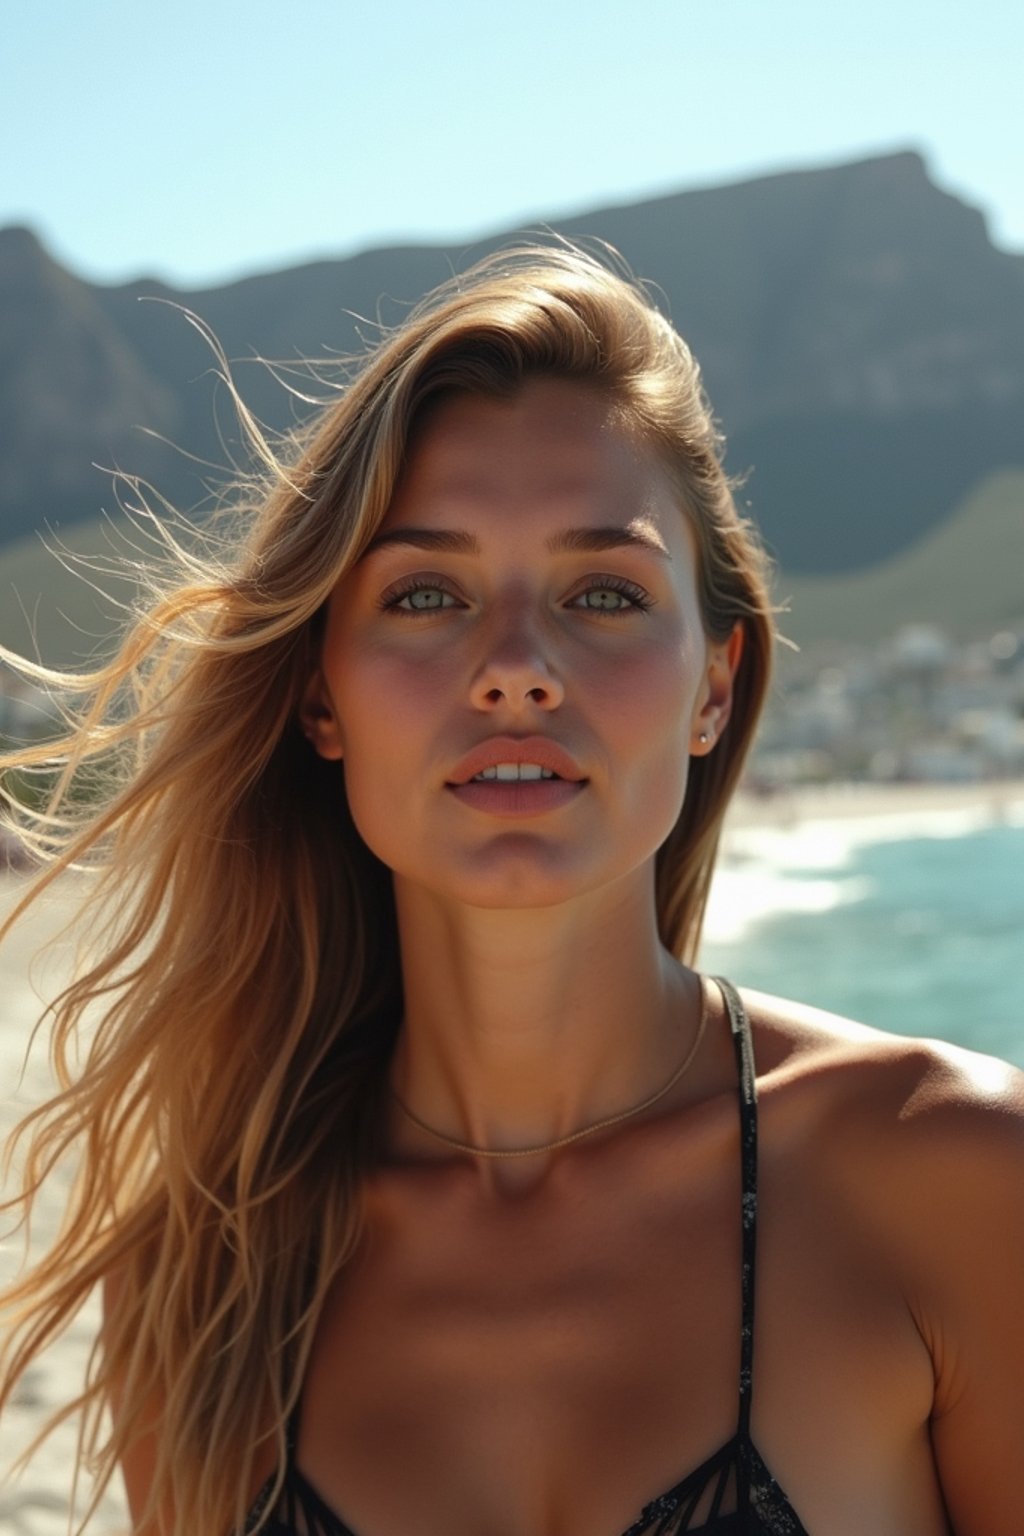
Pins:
<point x="522" y="1027"/>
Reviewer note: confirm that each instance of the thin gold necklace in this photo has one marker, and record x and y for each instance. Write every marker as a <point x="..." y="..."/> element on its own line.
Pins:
<point x="588" y="1130"/>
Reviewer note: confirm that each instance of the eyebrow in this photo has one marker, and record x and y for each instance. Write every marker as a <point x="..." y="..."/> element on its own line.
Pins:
<point x="452" y="541"/>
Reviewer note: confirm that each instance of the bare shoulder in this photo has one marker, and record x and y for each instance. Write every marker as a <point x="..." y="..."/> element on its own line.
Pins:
<point x="887" y="1096"/>
<point x="920" y="1148"/>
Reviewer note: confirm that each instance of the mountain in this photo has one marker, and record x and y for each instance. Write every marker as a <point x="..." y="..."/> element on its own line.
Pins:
<point x="72" y="386"/>
<point x="862" y="341"/>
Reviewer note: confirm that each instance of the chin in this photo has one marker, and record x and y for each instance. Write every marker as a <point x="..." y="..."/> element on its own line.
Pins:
<point x="522" y="881"/>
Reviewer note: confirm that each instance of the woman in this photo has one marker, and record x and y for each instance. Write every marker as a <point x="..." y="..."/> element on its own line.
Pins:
<point x="425" y="1177"/>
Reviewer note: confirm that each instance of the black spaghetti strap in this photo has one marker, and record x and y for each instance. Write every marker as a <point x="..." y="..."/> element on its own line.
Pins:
<point x="291" y="1431"/>
<point x="740" y="1026"/>
<point x="746" y="1073"/>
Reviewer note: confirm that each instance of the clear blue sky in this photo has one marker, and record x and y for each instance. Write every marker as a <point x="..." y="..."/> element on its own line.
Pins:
<point x="202" y="138"/>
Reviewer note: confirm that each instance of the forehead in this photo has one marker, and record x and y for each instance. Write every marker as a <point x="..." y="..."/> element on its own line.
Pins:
<point x="555" y="447"/>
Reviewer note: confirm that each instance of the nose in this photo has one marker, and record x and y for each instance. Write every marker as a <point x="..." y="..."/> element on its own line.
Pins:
<point x="516" y="666"/>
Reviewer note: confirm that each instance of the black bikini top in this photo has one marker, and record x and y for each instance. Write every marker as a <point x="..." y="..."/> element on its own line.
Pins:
<point x="732" y="1493"/>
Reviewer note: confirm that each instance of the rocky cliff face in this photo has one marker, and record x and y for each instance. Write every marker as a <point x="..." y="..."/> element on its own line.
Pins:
<point x="862" y="288"/>
<point x="72" y="389"/>
<point x="861" y="338"/>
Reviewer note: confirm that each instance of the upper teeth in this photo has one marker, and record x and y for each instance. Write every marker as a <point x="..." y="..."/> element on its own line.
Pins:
<point x="516" y="771"/>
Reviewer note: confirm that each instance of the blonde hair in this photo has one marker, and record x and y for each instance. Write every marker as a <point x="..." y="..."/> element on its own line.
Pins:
<point x="248" y="975"/>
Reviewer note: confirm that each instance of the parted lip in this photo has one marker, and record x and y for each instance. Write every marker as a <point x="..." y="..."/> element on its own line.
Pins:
<point x="517" y="749"/>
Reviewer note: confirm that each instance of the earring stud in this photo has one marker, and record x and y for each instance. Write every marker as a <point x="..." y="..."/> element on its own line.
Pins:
<point x="703" y="738"/>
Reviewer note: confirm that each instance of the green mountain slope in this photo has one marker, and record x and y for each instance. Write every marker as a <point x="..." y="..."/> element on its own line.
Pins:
<point x="56" y="611"/>
<point x="966" y="575"/>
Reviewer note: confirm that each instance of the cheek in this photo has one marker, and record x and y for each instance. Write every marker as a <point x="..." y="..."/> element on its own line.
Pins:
<point x="378" y="746"/>
<point x="651" y="712"/>
<point x="375" y="688"/>
<point x="655" y="688"/>
<point x="390" y="712"/>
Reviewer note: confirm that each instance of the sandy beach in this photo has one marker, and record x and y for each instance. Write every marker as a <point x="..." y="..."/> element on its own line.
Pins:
<point x="36" y="1504"/>
<point x="997" y="798"/>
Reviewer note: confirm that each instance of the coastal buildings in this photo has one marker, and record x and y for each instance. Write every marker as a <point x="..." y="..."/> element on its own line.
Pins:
<point x="917" y="706"/>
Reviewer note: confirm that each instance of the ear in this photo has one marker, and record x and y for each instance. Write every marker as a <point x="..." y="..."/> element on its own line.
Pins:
<point x="714" y="701"/>
<point x="318" y="718"/>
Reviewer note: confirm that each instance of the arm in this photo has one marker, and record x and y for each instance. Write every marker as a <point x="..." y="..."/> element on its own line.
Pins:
<point x="138" y="1464"/>
<point x="139" y="1458"/>
<point x="967" y="1226"/>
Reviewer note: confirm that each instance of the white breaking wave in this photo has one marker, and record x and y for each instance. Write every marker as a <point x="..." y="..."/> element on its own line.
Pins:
<point x="743" y="896"/>
<point x="777" y="869"/>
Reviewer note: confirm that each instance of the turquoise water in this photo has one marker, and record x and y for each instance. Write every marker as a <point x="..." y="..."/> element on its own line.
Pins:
<point x="915" y="925"/>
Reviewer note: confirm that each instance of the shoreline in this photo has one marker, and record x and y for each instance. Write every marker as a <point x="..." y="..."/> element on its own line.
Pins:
<point x="795" y="852"/>
<point x="998" y="799"/>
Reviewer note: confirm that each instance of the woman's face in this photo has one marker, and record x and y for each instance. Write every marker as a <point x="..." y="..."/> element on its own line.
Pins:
<point x="530" y="595"/>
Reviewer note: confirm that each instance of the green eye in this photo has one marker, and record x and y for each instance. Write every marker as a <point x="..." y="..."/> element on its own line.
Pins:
<point x="419" y="597"/>
<point x="604" y="598"/>
<point x="612" y="595"/>
<point x="426" y="597"/>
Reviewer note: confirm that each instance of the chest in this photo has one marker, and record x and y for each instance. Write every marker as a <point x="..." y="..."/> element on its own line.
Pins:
<point x="530" y="1315"/>
<point x="549" y="1365"/>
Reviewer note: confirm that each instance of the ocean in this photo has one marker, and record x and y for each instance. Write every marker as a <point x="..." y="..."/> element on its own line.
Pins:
<point x="912" y="922"/>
